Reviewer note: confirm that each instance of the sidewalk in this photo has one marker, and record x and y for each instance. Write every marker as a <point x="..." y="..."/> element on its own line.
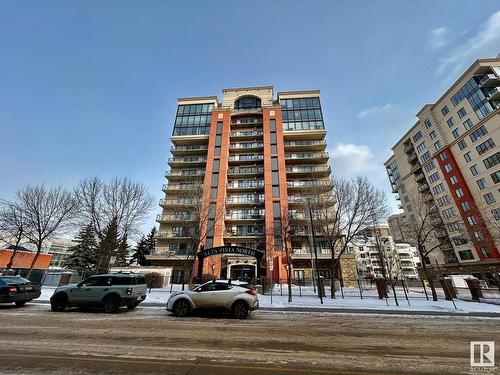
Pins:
<point x="351" y="304"/>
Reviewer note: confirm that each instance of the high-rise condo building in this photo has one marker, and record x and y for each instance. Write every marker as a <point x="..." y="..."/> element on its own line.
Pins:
<point x="235" y="165"/>
<point x="449" y="161"/>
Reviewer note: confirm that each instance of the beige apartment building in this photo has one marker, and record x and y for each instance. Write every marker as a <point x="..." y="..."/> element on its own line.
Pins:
<point x="236" y="163"/>
<point x="450" y="161"/>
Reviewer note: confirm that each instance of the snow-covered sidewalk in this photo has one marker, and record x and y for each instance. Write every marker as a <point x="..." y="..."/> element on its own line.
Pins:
<point x="351" y="302"/>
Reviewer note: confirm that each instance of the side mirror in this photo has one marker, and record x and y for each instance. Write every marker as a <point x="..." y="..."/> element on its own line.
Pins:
<point x="79" y="285"/>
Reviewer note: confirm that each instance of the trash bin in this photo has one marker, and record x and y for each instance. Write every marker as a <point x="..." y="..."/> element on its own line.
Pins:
<point x="449" y="290"/>
<point x="321" y="286"/>
<point x="381" y="288"/>
<point x="475" y="288"/>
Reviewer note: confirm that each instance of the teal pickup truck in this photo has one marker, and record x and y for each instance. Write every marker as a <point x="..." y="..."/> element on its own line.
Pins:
<point x="109" y="291"/>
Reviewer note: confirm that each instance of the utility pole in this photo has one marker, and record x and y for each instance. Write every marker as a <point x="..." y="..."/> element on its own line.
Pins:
<point x="315" y="253"/>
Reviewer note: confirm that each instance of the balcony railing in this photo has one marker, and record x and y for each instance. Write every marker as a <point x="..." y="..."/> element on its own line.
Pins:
<point x="323" y="168"/>
<point x="428" y="198"/>
<point x="187" y="160"/>
<point x="308" y="155"/>
<point x="416" y="167"/>
<point x="188" y="148"/>
<point x="489" y="80"/>
<point x="440" y="233"/>
<point x="166" y="218"/>
<point x="419" y="177"/>
<point x="249" y="133"/>
<point x="423" y="187"/>
<point x="408" y="147"/>
<point x="245" y="185"/>
<point x="169" y="234"/>
<point x="246" y="121"/>
<point x="244" y="216"/>
<point x="245" y="146"/>
<point x="245" y="234"/>
<point x="191" y="173"/>
<point x="304" y="184"/>
<point x="244" y="200"/>
<point x="305" y="144"/>
<point x="492" y="93"/>
<point x="412" y="158"/>
<point x="176" y="202"/>
<point x="179" y="187"/>
<point x="245" y="157"/>
<point x="241" y="171"/>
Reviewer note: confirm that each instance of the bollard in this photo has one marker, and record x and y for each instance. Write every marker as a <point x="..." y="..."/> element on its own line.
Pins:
<point x="300" y="288"/>
<point x="360" y="289"/>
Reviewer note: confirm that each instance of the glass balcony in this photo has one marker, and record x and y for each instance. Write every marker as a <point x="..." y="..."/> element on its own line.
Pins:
<point x="246" y="146"/>
<point x="423" y="187"/>
<point x="187" y="160"/>
<point x="173" y="218"/>
<point x="245" y="158"/>
<point x="492" y="93"/>
<point x="245" y="184"/>
<point x="319" y="171"/>
<point x="176" y="174"/>
<point x="244" y="199"/>
<point x="307" y="156"/>
<point x="244" y="216"/>
<point x="416" y="167"/>
<point x="245" y="171"/>
<point x="175" y="187"/>
<point x="177" y="202"/>
<point x="313" y="145"/>
<point x="419" y="177"/>
<point x="246" y="133"/>
<point x="412" y="158"/>
<point x="489" y="80"/>
<point x="188" y="149"/>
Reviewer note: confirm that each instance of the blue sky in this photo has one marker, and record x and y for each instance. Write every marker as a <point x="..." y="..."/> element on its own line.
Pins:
<point x="89" y="88"/>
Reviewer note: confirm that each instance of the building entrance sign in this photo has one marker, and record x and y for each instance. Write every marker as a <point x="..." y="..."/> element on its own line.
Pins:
<point x="229" y="250"/>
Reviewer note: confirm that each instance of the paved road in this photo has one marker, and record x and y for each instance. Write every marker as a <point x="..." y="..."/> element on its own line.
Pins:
<point x="148" y="340"/>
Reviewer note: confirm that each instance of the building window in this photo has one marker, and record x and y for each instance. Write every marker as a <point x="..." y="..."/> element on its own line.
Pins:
<point x="301" y="114"/>
<point x="448" y="213"/>
<point x="466" y="255"/>
<point x="434" y="177"/>
<point x="478" y="133"/>
<point x="438" y="189"/>
<point x="442" y="155"/>
<point x="450" y="122"/>
<point x="465" y="206"/>
<point x="492" y="160"/>
<point x="496" y="213"/>
<point x="247" y="102"/>
<point x="459" y="192"/>
<point x="485" y="252"/>
<point x="481" y="183"/>
<point x="479" y="235"/>
<point x="453" y="180"/>
<point x="445" y="110"/>
<point x="468" y="157"/>
<point x="472" y="220"/>
<point x="421" y="147"/>
<point x="485" y="146"/>
<point x="426" y="156"/>
<point x="462" y="144"/>
<point x="432" y="134"/>
<point x="444" y="200"/>
<point x="461" y="112"/>
<point x="427" y="123"/>
<point x="437" y="145"/>
<point x="455" y="133"/>
<point x="429" y="167"/>
<point x="447" y="167"/>
<point x="489" y="198"/>
<point x="474" y="169"/>
<point x="495" y="177"/>
<point x="468" y="124"/>
<point x="417" y="136"/>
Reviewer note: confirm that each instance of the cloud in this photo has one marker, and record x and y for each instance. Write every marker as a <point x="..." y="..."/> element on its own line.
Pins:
<point x="351" y="159"/>
<point x="376" y="111"/>
<point x="485" y="43"/>
<point x="438" y="37"/>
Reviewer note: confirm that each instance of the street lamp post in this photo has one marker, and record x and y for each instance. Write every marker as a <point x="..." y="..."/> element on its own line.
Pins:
<point x="315" y="253"/>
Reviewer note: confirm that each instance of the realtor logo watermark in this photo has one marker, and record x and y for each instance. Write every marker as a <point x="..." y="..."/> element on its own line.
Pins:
<point x="482" y="356"/>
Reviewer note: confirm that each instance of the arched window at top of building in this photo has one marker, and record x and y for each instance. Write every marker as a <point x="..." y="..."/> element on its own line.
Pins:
<point x="247" y="102"/>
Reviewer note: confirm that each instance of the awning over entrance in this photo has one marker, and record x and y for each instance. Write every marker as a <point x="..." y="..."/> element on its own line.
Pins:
<point x="229" y="250"/>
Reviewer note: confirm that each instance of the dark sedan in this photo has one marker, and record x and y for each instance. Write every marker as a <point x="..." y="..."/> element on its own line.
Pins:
<point x="18" y="290"/>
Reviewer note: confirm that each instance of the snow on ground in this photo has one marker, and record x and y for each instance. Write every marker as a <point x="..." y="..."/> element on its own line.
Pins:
<point x="352" y="300"/>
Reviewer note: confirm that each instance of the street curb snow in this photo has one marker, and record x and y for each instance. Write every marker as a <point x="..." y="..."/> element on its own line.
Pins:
<point x="341" y="310"/>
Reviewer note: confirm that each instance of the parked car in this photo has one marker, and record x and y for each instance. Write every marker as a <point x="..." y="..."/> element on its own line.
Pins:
<point x="19" y="290"/>
<point x="215" y="295"/>
<point x="109" y="291"/>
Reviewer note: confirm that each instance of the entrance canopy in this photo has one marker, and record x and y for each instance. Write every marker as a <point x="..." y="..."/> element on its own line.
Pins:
<point x="229" y="250"/>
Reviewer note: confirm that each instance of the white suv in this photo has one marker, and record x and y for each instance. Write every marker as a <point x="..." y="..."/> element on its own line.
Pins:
<point x="217" y="294"/>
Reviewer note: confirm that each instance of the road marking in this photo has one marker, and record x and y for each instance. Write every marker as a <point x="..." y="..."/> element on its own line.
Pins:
<point x="181" y="363"/>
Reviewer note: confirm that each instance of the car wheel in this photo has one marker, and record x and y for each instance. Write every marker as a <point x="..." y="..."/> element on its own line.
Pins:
<point x="59" y="302"/>
<point x="133" y="305"/>
<point x="20" y="303"/>
<point x="181" y="308"/>
<point x="240" y="310"/>
<point x="111" y="304"/>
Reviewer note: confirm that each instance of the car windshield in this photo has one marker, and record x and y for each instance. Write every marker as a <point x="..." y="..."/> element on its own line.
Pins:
<point x="14" y="280"/>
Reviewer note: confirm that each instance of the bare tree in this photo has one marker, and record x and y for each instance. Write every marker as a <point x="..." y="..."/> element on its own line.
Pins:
<point x="419" y="229"/>
<point x="13" y="227"/>
<point x="201" y="215"/>
<point x="280" y="240"/>
<point x="390" y="263"/>
<point x="99" y="202"/>
<point x="351" y="206"/>
<point x="47" y="213"/>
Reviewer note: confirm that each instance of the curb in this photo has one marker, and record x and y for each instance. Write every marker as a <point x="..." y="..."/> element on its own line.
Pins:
<point x="350" y="311"/>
